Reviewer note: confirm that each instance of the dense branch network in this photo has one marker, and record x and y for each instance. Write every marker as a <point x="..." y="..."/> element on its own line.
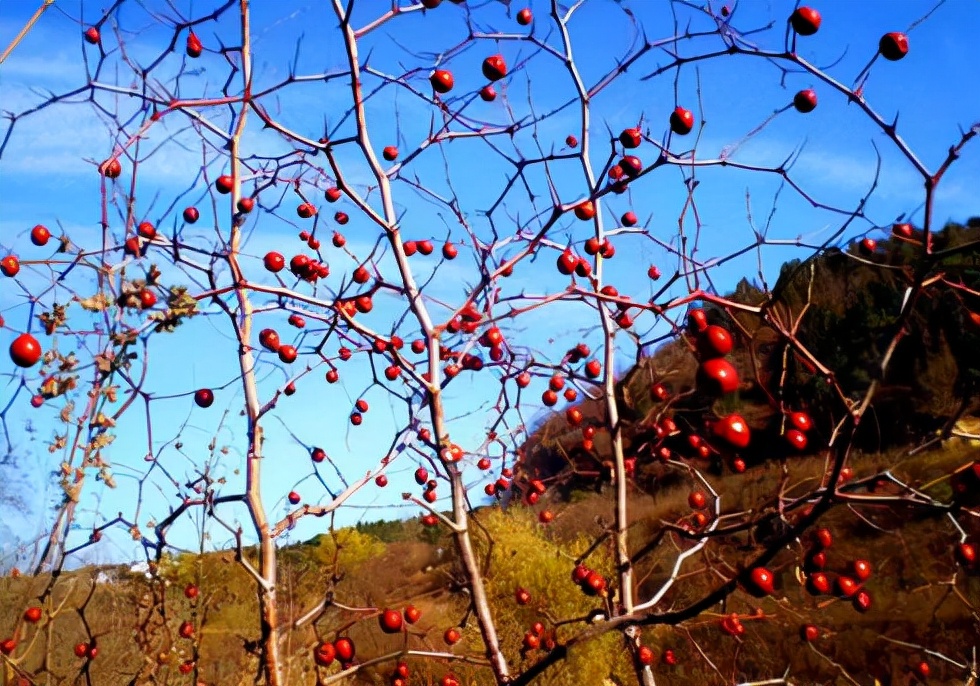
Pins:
<point x="430" y="200"/>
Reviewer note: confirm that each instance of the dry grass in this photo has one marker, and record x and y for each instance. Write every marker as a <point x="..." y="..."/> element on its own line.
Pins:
<point x="920" y="595"/>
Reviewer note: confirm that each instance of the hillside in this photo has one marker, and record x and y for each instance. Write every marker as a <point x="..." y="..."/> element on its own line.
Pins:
<point x="846" y="304"/>
<point x="394" y="564"/>
<point x="336" y="584"/>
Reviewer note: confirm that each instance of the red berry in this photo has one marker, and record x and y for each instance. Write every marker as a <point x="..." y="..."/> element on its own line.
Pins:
<point x="294" y="497"/>
<point x="862" y="569"/>
<point x="823" y="538"/>
<point x="697" y="320"/>
<point x="147" y="298"/>
<point x="585" y="210"/>
<point x="390" y="621"/>
<point x="524" y="17"/>
<point x="224" y="184"/>
<point x="922" y="670"/>
<point x="809" y="633"/>
<point x="10" y="265"/>
<point x="818" y="583"/>
<point x="269" y="339"/>
<point x="274" y="262"/>
<point x="111" y="168"/>
<point x="33" y="614"/>
<point x="442" y="81"/>
<point x="567" y="262"/>
<point x="494" y="67"/>
<point x="846" y="586"/>
<point x="796" y="439"/>
<point x="631" y="166"/>
<point x="345" y="649"/>
<point x="305" y="210"/>
<point x="628" y="219"/>
<point x="594" y="583"/>
<point x="697" y="500"/>
<point x="893" y="46"/>
<point x="204" y="397"/>
<point x="761" y="581"/>
<point x="390" y="153"/>
<point x="571" y="141"/>
<point x="412" y="614"/>
<point x="488" y="93"/>
<point x="191" y="215"/>
<point x="715" y="341"/>
<point x="862" y="601"/>
<point x="805" y="101"/>
<point x="186" y="629"/>
<point x="332" y="194"/>
<point x="734" y="430"/>
<point x="966" y="553"/>
<point x="681" y="121"/>
<point x="92" y="35"/>
<point x="631" y="138"/>
<point x="40" y="235"/>
<point x="801" y="420"/>
<point x="805" y="21"/>
<point x="451" y="636"/>
<point x="190" y="591"/>
<point x="194" y="46"/>
<point x="25" y="351"/>
<point x="903" y="230"/>
<point x="287" y="354"/>
<point x="718" y="376"/>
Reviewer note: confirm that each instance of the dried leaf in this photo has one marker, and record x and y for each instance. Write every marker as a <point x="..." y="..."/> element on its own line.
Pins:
<point x="96" y="303"/>
<point x="102" y="441"/>
<point x="103" y="363"/>
<point x="54" y="319"/>
<point x="179" y="306"/>
<point x="59" y="443"/>
<point x="68" y="362"/>
<point x="102" y="421"/>
<point x="54" y="386"/>
<point x="105" y="475"/>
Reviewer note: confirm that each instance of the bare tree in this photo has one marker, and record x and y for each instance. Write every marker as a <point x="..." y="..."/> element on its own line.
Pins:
<point x="434" y="171"/>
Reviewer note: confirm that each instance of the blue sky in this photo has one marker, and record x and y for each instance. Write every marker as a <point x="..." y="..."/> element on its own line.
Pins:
<point x="47" y="176"/>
